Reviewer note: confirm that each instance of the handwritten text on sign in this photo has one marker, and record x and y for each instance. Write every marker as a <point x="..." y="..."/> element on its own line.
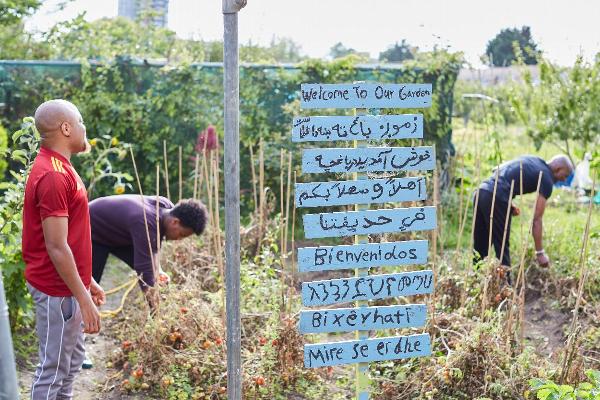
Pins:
<point x="363" y="318"/>
<point x="364" y="191"/>
<point x="365" y="95"/>
<point x="325" y="258"/>
<point x="364" y="127"/>
<point x="368" y="159"/>
<point x="369" y="222"/>
<point x="355" y="351"/>
<point x="366" y="288"/>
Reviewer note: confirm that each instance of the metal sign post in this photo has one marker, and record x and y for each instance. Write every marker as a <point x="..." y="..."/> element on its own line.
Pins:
<point x="231" y="166"/>
<point x="8" y="375"/>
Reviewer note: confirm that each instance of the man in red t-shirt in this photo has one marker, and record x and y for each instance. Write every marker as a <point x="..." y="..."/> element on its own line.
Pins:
<point x="57" y="251"/>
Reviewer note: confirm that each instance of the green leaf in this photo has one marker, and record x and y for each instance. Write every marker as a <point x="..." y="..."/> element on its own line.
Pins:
<point x="17" y="135"/>
<point x="19" y="155"/>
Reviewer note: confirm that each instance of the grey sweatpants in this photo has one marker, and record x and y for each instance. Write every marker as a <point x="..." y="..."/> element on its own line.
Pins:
<point x="59" y="328"/>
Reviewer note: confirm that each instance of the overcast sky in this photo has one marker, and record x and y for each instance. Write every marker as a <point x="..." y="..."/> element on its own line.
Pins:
<point x="563" y="29"/>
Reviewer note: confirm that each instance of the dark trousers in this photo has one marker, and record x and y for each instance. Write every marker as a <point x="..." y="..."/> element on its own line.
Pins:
<point x="482" y="226"/>
<point x="100" y="254"/>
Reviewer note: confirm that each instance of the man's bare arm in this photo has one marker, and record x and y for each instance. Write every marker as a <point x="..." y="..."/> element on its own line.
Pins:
<point x="56" y="230"/>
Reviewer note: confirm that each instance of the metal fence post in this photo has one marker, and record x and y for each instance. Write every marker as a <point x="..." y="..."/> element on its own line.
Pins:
<point x="231" y="169"/>
<point x="8" y="375"/>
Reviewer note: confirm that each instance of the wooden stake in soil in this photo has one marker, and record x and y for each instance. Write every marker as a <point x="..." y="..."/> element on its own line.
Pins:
<point x="158" y="217"/>
<point x="281" y="234"/>
<point x="492" y="211"/>
<point x="180" y="174"/>
<point x="508" y="210"/>
<point x="253" y="169"/>
<point x="287" y="204"/>
<point x="583" y="272"/>
<point x="137" y="177"/>
<point x="166" y="169"/>
<point x="293" y="283"/>
<point x="196" y="177"/>
<point x="521" y="273"/>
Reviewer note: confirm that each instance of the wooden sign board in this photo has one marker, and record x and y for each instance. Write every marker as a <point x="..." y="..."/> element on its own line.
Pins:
<point x="369" y="222"/>
<point x="369" y="287"/>
<point x="325" y="258"/>
<point x="368" y="159"/>
<point x="363" y="318"/>
<point x="365" y="95"/>
<point x="363" y="191"/>
<point x="363" y="127"/>
<point x="355" y="351"/>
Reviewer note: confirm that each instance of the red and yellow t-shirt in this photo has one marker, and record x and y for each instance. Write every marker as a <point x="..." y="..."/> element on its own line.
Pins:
<point x="54" y="189"/>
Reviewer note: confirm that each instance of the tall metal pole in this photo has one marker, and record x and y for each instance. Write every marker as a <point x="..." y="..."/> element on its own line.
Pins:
<point x="231" y="168"/>
<point x="8" y="375"/>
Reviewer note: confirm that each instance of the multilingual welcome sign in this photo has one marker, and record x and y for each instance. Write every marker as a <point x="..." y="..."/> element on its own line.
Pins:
<point x="362" y="192"/>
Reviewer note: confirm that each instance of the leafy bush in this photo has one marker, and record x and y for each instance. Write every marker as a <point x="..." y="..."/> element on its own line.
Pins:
<point x="548" y="390"/>
<point x="562" y="107"/>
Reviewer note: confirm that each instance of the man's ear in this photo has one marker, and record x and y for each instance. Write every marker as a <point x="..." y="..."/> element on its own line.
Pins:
<point x="175" y="221"/>
<point x="65" y="129"/>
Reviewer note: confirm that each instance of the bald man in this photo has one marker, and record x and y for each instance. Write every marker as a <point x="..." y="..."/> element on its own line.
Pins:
<point x="57" y="251"/>
<point x="557" y="169"/>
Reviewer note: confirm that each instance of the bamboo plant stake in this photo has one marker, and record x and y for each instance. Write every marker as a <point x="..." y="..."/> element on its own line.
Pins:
<point x="281" y="234"/>
<point x="525" y="243"/>
<point x="492" y="210"/>
<point x="180" y="174"/>
<point x="218" y="241"/>
<point x="196" y="177"/>
<point x="583" y="272"/>
<point x="157" y="217"/>
<point x="166" y="169"/>
<point x="287" y="204"/>
<point x="508" y="210"/>
<point x="253" y="170"/>
<point x="202" y="168"/>
<point x="293" y="274"/>
<point x="137" y="177"/>
<point x="491" y="228"/>
<point x="261" y="194"/>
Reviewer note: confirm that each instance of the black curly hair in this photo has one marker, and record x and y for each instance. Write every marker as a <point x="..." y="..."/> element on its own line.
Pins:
<point x="192" y="214"/>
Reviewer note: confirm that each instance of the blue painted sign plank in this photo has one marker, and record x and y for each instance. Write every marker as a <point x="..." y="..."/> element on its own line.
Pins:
<point x="324" y="258"/>
<point x="363" y="318"/>
<point x="365" y="95"/>
<point x="368" y="159"/>
<point x="364" y="191"/>
<point x="367" y="222"/>
<point x="355" y="351"/>
<point x="363" y="127"/>
<point x="318" y="293"/>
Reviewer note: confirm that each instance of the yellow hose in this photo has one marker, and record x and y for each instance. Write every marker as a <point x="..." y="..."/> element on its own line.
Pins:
<point x="111" y="313"/>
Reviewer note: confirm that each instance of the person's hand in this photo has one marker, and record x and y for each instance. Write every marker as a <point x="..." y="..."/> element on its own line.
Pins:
<point x="514" y="210"/>
<point x="98" y="295"/>
<point x="163" y="277"/>
<point x="90" y="316"/>
<point x="542" y="260"/>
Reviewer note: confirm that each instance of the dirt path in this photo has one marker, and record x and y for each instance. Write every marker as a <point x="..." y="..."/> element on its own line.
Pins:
<point x="90" y="384"/>
<point x="544" y="325"/>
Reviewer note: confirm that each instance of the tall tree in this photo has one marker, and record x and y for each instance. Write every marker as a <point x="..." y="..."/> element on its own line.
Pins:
<point x="501" y="52"/>
<point x="13" y="11"/>
<point x="338" y="50"/>
<point x="398" y="52"/>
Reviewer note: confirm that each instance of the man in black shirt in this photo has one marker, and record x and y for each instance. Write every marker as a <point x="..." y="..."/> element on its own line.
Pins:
<point x="557" y="169"/>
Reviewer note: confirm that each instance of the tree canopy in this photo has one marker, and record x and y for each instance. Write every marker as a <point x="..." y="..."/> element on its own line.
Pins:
<point x="502" y="50"/>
